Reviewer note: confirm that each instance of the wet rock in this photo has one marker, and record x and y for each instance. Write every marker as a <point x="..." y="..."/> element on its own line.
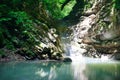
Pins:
<point x="109" y="35"/>
<point x="67" y="59"/>
<point x="116" y="56"/>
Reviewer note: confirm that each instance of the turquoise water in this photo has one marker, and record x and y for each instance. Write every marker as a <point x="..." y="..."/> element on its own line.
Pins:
<point x="36" y="70"/>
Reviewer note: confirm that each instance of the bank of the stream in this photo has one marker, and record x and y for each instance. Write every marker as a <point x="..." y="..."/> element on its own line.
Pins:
<point x="37" y="32"/>
<point x="28" y="32"/>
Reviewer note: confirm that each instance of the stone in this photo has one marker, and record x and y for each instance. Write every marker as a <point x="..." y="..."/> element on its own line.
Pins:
<point x="67" y="59"/>
<point x="116" y="56"/>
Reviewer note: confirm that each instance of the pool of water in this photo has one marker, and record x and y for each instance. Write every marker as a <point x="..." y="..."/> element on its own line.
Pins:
<point x="50" y="70"/>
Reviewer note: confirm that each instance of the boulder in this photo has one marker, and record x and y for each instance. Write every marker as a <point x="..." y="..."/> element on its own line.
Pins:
<point x="67" y="59"/>
<point x="116" y="56"/>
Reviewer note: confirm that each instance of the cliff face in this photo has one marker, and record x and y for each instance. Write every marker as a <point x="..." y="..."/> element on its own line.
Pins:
<point x="106" y="28"/>
<point x="99" y="27"/>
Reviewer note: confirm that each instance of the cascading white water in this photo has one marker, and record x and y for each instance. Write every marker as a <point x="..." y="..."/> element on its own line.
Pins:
<point x="74" y="51"/>
<point x="78" y="64"/>
<point x="72" y="48"/>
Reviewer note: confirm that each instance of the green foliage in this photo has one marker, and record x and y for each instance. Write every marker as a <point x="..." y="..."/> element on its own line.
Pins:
<point x="87" y="5"/>
<point x="2" y="53"/>
<point x="21" y="18"/>
<point x="13" y="22"/>
<point x="9" y="45"/>
<point x="24" y="24"/>
<point x="1" y="40"/>
<point x="54" y="8"/>
<point x="117" y="4"/>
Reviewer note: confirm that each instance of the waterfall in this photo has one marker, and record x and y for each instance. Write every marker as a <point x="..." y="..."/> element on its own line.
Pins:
<point x="73" y="49"/>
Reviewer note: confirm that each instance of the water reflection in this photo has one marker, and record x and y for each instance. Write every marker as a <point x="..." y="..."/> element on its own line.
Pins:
<point x="59" y="71"/>
<point x="103" y="71"/>
<point x="79" y="71"/>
